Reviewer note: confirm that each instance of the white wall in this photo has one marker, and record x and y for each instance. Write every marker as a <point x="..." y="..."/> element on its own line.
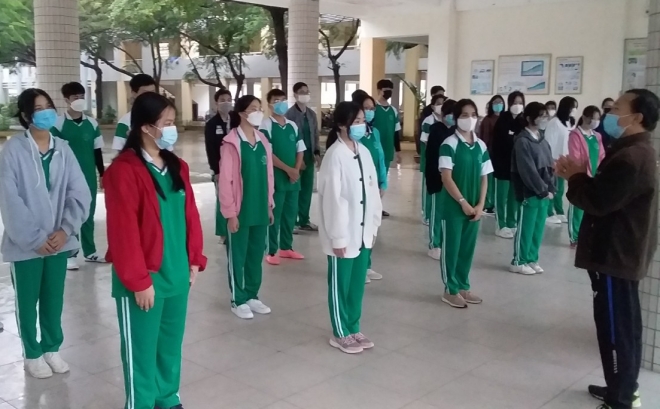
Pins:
<point x="595" y="29"/>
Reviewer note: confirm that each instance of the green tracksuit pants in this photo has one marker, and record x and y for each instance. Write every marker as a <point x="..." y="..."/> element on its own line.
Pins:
<point x="87" y="229"/>
<point x="280" y="233"/>
<point x="459" y="240"/>
<point x="39" y="282"/>
<point x="506" y="206"/>
<point x="346" y="277"/>
<point x="220" y="221"/>
<point x="435" y="222"/>
<point x="575" y="216"/>
<point x="490" y="194"/>
<point x="245" y="252"/>
<point x="306" y="190"/>
<point x="151" y="350"/>
<point x="529" y="236"/>
<point x="557" y="204"/>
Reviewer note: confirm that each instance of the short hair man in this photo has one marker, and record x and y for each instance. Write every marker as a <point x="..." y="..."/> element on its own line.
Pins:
<point x="139" y="84"/>
<point x="305" y="119"/>
<point x="618" y="237"/>
<point x="85" y="140"/>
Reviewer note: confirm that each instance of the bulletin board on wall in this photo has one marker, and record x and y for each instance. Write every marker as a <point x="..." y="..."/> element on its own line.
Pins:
<point x="482" y="77"/>
<point x="634" y="63"/>
<point x="529" y="74"/>
<point x="568" y="75"/>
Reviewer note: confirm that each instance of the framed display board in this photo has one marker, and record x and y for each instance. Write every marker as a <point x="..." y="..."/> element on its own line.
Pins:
<point x="527" y="73"/>
<point x="482" y="77"/>
<point x="634" y="63"/>
<point x="568" y="75"/>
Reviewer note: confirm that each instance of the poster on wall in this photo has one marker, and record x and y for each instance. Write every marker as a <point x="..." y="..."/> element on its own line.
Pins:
<point x="527" y="73"/>
<point x="634" y="63"/>
<point x="481" y="82"/>
<point x="568" y="75"/>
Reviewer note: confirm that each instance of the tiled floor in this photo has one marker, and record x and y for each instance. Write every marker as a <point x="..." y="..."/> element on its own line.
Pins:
<point x="530" y="345"/>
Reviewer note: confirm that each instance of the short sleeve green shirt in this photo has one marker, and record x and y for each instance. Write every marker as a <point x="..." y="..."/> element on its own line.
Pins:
<point x="83" y="137"/>
<point x="254" y="172"/>
<point x="287" y="144"/>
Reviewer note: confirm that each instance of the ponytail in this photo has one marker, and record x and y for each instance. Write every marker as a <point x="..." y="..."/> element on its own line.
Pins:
<point x="234" y="119"/>
<point x="332" y="137"/>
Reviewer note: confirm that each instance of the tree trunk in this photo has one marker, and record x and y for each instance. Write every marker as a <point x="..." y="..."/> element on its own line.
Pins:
<point x="99" y="91"/>
<point x="240" y="79"/>
<point x="335" y="74"/>
<point x="281" y="49"/>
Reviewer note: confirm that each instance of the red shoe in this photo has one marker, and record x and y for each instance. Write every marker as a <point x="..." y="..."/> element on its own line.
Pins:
<point x="292" y="254"/>
<point x="273" y="260"/>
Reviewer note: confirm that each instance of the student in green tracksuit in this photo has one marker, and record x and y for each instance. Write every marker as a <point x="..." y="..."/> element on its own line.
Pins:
<point x="246" y="187"/>
<point x="139" y="84"/>
<point x="44" y="200"/>
<point x="350" y="211"/>
<point x="436" y="116"/>
<point x="585" y="145"/>
<point x="386" y="121"/>
<point x="149" y="195"/>
<point x="465" y="166"/>
<point x="288" y="152"/>
<point x="533" y="180"/>
<point x="85" y="140"/>
<point x="372" y="141"/>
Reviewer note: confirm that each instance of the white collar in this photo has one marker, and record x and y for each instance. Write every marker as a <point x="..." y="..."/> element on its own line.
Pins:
<point x="388" y="106"/>
<point x="585" y="133"/>
<point x="51" y="142"/>
<point x="275" y="121"/>
<point x="67" y="116"/>
<point x="150" y="160"/>
<point x="244" y="138"/>
<point x="460" y="138"/>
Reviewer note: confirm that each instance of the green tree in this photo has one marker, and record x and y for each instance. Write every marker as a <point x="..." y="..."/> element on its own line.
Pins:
<point x="276" y="41"/>
<point x="341" y="32"/>
<point x="17" y="34"/>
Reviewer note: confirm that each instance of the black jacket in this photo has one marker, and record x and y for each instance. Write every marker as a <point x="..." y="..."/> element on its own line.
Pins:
<point x="214" y="132"/>
<point x="437" y="135"/>
<point x="502" y="144"/>
<point x="428" y="110"/>
<point x="532" y="167"/>
<point x="619" y="232"/>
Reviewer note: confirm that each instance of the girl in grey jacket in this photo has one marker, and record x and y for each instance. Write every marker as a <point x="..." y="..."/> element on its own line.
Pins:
<point x="44" y="200"/>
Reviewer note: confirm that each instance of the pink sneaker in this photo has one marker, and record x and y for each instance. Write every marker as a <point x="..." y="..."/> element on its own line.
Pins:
<point x="364" y="342"/>
<point x="273" y="260"/>
<point x="292" y="254"/>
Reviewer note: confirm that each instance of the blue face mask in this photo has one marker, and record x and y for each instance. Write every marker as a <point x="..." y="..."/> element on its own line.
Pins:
<point x="611" y="126"/>
<point x="168" y="137"/>
<point x="449" y="120"/>
<point x="369" y="115"/>
<point x="280" y="108"/>
<point x="44" y="119"/>
<point x="357" y="132"/>
<point x="497" y="108"/>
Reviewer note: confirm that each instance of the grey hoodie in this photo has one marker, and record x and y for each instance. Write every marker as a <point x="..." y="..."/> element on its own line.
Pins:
<point x="30" y="212"/>
<point x="532" y="166"/>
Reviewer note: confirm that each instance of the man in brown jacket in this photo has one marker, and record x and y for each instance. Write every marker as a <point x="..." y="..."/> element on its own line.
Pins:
<point x="618" y="237"/>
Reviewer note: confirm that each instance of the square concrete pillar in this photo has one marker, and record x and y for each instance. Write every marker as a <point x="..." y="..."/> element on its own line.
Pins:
<point x="410" y="105"/>
<point x="122" y="98"/>
<point x="372" y="63"/>
<point x="267" y="85"/>
<point x="183" y="102"/>
<point x="442" y="50"/>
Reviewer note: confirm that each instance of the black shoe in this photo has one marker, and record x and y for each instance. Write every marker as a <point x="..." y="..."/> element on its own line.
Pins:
<point x="309" y="227"/>
<point x="385" y="214"/>
<point x="489" y="211"/>
<point x="599" y="392"/>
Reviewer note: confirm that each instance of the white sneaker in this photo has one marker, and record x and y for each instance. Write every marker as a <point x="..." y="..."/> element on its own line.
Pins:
<point x="367" y="280"/>
<point x="243" y="312"/>
<point x="258" y="307"/>
<point x="524" y="270"/>
<point x="95" y="258"/>
<point x="536" y="267"/>
<point x="425" y="222"/>
<point x="553" y="220"/>
<point x="562" y="218"/>
<point x="72" y="264"/>
<point x="504" y="233"/>
<point x="372" y="275"/>
<point x="38" y="368"/>
<point x="56" y="363"/>
<point x="435" y="253"/>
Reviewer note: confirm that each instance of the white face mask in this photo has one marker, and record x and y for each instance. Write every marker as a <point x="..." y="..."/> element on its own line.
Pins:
<point x="437" y="109"/>
<point x="594" y="124"/>
<point x="78" y="105"/>
<point x="467" y="124"/>
<point x="574" y="112"/>
<point x="542" y="123"/>
<point x="552" y="112"/>
<point x="516" y="109"/>
<point x="255" y="118"/>
<point x="304" y="99"/>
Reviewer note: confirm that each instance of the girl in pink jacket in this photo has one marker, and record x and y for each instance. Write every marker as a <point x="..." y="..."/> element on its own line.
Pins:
<point x="245" y="191"/>
<point x="585" y="145"/>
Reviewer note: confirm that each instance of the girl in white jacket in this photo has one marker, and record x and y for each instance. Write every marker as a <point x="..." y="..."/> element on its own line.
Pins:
<point x="350" y="216"/>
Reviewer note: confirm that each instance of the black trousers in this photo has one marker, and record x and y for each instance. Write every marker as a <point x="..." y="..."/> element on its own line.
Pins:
<point x="618" y="317"/>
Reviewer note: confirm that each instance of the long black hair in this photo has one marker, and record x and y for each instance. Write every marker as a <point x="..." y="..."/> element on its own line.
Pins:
<point x="564" y="109"/>
<point x="510" y="100"/>
<point x="344" y="115"/>
<point x="491" y="111"/>
<point x="25" y="105"/>
<point x="589" y="113"/>
<point x="147" y="109"/>
<point x="241" y="105"/>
